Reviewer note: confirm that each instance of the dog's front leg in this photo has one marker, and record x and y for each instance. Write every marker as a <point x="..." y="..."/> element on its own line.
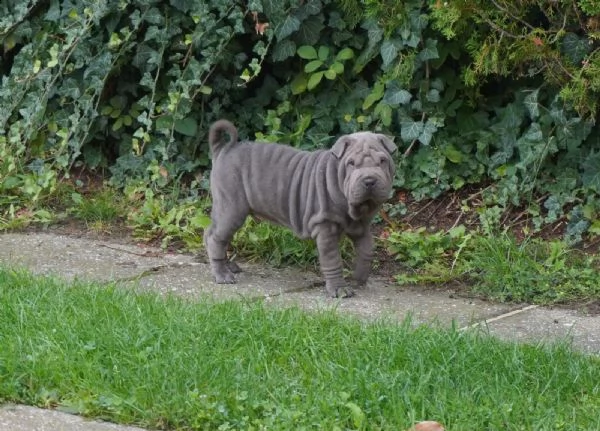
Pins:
<point x="363" y="246"/>
<point x="330" y="260"/>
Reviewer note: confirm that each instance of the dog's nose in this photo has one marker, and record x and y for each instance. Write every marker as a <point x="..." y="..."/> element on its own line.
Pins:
<point x="369" y="182"/>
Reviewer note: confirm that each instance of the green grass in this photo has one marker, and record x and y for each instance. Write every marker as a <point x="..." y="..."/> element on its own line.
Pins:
<point x="497" y="267"/>
<point x="170" y="363"/>
<point x="103" y="207"/>
<point x="276" y="245"/>
<point x="544" y="272"/>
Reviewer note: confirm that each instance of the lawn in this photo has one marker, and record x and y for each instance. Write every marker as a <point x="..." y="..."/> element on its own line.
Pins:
<point x="169" y="363"/>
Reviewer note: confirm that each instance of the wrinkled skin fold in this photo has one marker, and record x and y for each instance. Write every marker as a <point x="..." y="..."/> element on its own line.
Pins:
<point x="322" y="195"/>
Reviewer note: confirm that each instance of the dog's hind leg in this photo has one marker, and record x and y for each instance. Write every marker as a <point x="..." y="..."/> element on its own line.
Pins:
<point x="216" y="240"/>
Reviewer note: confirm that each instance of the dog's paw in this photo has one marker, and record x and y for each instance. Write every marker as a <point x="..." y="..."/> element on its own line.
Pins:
<point x="342" y="291"/>
<point x="229" y="279"/>
<point x="225" y="278"/>
<point x="234" y="267"/>
<point x="347" y="293"/>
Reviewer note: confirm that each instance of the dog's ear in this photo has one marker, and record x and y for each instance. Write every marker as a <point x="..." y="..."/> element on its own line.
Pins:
<point x="340" y="146"/>
<point x="387" y="143"/>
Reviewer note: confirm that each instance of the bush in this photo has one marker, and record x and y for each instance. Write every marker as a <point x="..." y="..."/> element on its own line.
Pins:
<point x="476" y="92"/>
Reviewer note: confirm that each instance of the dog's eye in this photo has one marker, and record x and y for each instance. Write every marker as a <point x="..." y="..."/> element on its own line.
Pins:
<point x="351" y="162"/>
<point x="383" y="161"/>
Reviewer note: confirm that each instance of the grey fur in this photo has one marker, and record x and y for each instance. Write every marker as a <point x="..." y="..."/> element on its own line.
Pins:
<point x="321" y="195"/>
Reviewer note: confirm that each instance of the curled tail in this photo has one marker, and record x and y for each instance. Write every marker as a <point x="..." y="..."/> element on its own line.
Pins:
<point x="215" y="136"/>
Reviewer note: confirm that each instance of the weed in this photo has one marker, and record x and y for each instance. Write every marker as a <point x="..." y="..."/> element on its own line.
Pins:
<point x="418" y="247"/>
<point x="277" y="245"/>
<point x="498" y="267"/>
<point x="532" y="270"/>
<point x="430" y="257"/>
<point x="274" y="244"/>
<point x="105" y="206"/>
<point x="165" y="218"/>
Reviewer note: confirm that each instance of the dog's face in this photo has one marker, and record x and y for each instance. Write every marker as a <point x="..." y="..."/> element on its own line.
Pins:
<point x="366" y="171"/>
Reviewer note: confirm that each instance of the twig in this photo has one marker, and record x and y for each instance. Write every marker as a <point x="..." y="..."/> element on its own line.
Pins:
<point x="516" y="18"/>
<point x="421" y="210"/>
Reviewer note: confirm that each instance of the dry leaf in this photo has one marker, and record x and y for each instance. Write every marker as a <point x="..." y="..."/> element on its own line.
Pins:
<point x="261" y="27"/>
<point x="427" y="426"/>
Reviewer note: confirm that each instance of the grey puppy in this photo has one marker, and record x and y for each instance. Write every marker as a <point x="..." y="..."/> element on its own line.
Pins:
<point x="321" y="195"/>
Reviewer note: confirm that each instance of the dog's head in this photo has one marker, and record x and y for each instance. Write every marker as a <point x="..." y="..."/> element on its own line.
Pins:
<point x="366" y="171"/>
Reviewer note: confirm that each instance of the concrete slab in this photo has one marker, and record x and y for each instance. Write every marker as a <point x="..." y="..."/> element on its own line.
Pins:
<point x="68" y="257"/>
<point x="547" y="325"/>
<point x="25" y="418"/>
<point x="194" y="280"/>
<point x="382" y="300"/>
<point x="291" y="287"/>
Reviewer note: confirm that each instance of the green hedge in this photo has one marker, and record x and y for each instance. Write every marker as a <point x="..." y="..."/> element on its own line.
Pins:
<point x="477" y="92"/>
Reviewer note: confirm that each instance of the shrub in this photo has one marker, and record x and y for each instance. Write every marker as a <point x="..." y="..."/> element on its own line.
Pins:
<point x="476" y="92"/>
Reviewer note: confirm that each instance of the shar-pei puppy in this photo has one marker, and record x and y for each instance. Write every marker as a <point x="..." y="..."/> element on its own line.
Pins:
<point x="321" y="195"/>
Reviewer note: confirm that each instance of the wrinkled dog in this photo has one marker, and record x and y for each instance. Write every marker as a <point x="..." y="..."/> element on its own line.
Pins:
<point x="321" y="195"/>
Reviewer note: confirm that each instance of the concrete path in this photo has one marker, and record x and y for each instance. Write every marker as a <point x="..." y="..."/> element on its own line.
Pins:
<point x="151" y="269"/>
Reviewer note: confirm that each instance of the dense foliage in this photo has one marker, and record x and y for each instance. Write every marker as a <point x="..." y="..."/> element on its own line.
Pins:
<point x="492" y="92"/>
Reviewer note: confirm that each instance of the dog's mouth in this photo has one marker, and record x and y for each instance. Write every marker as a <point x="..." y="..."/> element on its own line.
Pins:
<point x="371" y="200"/>
<point x="364" y="209"/>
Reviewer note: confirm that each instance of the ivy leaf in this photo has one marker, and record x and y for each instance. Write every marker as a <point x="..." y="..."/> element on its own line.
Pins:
<point x="310" y="7"/>
<point x="430" y="51"/>
<point x="287" y="27"/>
<point x="309" y="32"/>
<point x="557" y="113"/>
<point x="186" y="126"/>
<point x="413" y="40"/>
<point x="418" y="20"/>
<point x="438" y="84"/>
<point x="154" y="16"/>
<point x="534" y="133"/>
<point x="388" y="52"/>
<point x="395" y="95"/>
<point x="433" y="96"/>
<point x="591" y="172"/>
<point x="574" y="47"/>
<point x="307" y="52"/>
<point x="374" y="31"/>
<point x="532" y="105"/>
<point x="336" y="21"/>
<point x="429" y="130"/>
<point x="554" y="208"/>
<point x="53" y="13"/>
<point x="453" y="154"/>
<point x="410" y="129"/>
<point x="284" y="49"/>
<point x="183" y="5"/>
